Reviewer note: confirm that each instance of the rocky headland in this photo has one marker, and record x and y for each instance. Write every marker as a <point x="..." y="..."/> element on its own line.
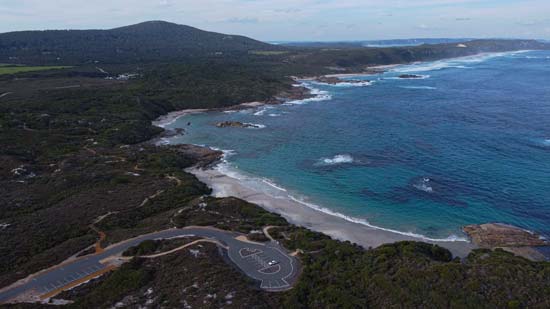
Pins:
<point x="507" y="237"/>
<point x="333" y="80"/>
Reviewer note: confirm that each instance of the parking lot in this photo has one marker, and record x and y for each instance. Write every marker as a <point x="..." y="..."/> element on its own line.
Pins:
<point x="268" y="263"/>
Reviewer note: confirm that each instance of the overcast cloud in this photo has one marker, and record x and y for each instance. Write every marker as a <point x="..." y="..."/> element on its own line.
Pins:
<point x="295" y="19"/>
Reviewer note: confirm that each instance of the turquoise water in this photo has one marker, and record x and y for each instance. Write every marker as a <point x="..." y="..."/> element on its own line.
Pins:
<point x="468" y="143"/>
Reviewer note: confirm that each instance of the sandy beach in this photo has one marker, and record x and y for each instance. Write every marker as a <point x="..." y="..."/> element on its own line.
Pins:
<point x="169" y="118"/>
<point x="164" y="121"/>
<point x="299" y="214"/>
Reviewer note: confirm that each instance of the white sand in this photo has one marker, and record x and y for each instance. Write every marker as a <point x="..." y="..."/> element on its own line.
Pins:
<point x="302" y="215"/>
<point x="170" y="118"/>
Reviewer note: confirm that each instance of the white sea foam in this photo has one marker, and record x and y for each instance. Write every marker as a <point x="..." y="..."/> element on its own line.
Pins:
<point x="337" y="159"/>
<point x="163" y="141"/>
<point x="262" y="111"/>
<point x="451" y="238"/>
<point x="255" y="126"/>
<point x="424" y="185"/>
<point x="546" y="142"/>
<point x="319" y="95"/>
<point x="537" y="57"/>
<point x="346" y="84"/>
<point x="458" y="63"/>
<point x="272" y="184"/>
<point x="418" y="87"/>
<point x="414" y="78"/>
<point x="274" y="115"/>
<point x="280" y="192"/>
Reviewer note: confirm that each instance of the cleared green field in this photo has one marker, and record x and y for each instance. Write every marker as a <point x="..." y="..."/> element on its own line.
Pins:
<point x="5" y="69"/>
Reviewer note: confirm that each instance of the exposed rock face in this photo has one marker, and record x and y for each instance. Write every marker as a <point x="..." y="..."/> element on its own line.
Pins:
<point x="236" y="124"/>
<point x="410" y="76"/>
<point x="294" y="93"/>
<point x="493" y="235"/>
<point x="203" y="155"/>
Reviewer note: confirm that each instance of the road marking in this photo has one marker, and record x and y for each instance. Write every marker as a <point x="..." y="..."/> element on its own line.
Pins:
<point x="62" y="288"/>
<point x="88" y="266"/>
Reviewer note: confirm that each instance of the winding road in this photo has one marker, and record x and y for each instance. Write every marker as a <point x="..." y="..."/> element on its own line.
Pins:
<point x="268" y="263"/>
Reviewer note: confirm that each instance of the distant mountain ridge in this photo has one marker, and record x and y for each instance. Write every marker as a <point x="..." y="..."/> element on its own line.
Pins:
<point x="147" y="41"/>
<point x="159" y="41"/>
<point x="371" y="43"/>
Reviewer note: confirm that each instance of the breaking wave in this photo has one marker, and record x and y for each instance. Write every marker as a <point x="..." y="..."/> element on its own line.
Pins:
<point x="424" y="185"/>
<point x="457" y="63"/>
<point x="280" y="192"/>
<point x="345" y="84"/>
<point x="319" y="95"/>
<point x="337" y="159"/>
<point x="451" y="238"/>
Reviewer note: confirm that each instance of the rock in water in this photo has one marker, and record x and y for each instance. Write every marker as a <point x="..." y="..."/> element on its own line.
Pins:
<point x="410" y="76"/>
<point x="335" y="80"/>
<point x="236" y="124"/>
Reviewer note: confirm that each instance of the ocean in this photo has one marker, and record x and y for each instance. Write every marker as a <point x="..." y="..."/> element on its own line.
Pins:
<point x="467" y="143"/>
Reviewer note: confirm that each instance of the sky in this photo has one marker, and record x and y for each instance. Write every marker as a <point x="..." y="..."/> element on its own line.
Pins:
<point x="295" y="20"/>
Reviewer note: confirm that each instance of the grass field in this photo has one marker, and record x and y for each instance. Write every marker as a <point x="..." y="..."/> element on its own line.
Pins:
<point x="12" y="69"/>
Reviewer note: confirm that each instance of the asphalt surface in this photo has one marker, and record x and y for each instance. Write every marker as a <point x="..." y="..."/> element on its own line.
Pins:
<point x="253" y="259"/>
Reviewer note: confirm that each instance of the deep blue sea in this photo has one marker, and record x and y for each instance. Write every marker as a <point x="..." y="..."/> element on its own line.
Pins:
<point x="468" y="143"/>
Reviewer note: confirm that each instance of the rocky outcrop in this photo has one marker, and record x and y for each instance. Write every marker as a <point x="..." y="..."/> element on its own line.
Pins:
<point x="292" y="94"/>
<point x="410" y="76"/>
<point x="493" y="235"/>
<point x="236" y="124"/>
<point x="331" y="80"/>
<point x="203" y="156"/>
<point x="507" y="237"/>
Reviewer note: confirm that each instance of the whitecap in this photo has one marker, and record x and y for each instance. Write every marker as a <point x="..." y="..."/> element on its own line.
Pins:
<point x="262" y="111"/>
<point x="254" y="126"/>
<point x="337" y="159"/>
<point x="424" y="185"/>
<point x="259" y="113"/>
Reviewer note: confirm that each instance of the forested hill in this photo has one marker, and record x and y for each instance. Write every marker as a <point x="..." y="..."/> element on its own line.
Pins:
<point x="144" y="42"/>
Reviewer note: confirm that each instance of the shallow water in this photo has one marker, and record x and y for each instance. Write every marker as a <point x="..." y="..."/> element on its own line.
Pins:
<point x="468" y="143"/>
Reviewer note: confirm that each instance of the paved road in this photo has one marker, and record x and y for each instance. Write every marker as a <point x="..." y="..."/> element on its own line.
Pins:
<point x="251" y="258"/>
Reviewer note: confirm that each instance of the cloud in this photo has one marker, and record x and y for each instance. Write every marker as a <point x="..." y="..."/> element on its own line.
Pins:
<point x="244" y="20"/>
<point x="423" y="27"/>
<point x="289" y="19"/>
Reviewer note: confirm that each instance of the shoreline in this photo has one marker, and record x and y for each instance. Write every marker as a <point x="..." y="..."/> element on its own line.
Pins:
<point x="298" y="213"/>
<point x="301" y="213"/>
<point x="335" y="225"/>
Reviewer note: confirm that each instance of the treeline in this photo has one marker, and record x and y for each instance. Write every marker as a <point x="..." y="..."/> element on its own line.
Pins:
<point x="146" y="42"/>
